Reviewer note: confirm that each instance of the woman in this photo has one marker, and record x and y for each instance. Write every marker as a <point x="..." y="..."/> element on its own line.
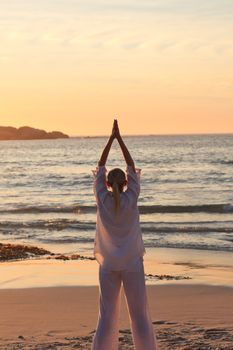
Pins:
<point x="119" y="250"/>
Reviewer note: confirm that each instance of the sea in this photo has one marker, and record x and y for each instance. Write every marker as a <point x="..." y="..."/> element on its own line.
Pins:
<point x="186" y="198"/>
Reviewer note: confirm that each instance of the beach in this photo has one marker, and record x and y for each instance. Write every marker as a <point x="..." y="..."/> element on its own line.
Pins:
<point x="50" y="303"/>
<point x="48" y="275"/>
<point x="184" y="317"/>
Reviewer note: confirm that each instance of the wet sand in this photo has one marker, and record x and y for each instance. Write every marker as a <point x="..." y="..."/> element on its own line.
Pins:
<point x="50" y="301"/>
<point x="184" y="317"/>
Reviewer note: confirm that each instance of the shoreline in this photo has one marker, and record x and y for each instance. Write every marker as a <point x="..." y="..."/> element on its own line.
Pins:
<point x="42" y="268"/>
<point x="66" y="317"/>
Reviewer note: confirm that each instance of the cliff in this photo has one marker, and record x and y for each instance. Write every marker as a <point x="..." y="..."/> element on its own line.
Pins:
<point x="28" y="133"/>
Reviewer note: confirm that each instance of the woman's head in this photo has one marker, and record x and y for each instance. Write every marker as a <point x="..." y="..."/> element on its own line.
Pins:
<point x="116" y="179"/>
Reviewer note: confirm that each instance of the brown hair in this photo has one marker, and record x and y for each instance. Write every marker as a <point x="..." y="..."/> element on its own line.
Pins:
<point x="116" y="178"/>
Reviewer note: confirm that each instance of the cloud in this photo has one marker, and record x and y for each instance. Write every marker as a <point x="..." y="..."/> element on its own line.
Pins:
<point x="174" y="7"/>
<point x="155" y="31"/>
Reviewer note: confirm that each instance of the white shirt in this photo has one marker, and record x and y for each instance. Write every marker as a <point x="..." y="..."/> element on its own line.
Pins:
<point x="118" y="242"/>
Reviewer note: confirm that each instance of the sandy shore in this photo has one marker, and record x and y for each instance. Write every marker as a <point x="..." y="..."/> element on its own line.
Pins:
<point x="162" y="266"/>
<point x="50" y="301"/>
<point x="184" y="317"/>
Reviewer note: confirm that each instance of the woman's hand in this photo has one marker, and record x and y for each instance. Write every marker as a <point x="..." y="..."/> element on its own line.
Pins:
<point x="107" y="148"/>
<point x="125" y="151"/>
<point x="113" y="135"/>
<point x="115" y="129"/>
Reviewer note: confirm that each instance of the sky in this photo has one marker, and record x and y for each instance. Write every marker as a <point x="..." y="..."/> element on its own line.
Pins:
<point x="158" y="66"/>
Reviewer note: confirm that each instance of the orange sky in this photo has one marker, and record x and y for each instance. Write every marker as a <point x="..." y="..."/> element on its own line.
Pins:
<point x="160" y="67"/>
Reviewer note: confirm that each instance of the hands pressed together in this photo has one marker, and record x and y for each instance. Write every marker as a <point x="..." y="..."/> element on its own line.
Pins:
<point x="115" y="130"/>
<point x="116" y="135"/>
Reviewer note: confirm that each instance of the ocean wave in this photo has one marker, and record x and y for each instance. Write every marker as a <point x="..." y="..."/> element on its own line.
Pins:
<point x="207" y="208"/>
<point x="41" y="209"/>
<point x="144" y="209"/>
<point x="223" y="161"/>
<point x="147" y="227"/>
<point x="66" y="240"/>
<point x="195" y="246"/>
<point x="186" y="229"/>
<point x="51" y="225"/>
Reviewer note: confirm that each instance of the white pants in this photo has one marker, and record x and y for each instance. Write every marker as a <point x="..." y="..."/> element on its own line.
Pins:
<point x="106" y="335"/>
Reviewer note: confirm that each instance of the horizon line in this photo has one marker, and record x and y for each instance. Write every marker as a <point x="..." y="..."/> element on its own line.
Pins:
<point x="141" y="135"/>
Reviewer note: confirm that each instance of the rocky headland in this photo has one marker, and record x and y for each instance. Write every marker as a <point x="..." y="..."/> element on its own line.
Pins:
<point x="28" y="133"/>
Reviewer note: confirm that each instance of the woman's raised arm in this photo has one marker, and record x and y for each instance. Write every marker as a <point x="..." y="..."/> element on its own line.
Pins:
<point x="125" y="151"/>
<point x="107" y="148"/>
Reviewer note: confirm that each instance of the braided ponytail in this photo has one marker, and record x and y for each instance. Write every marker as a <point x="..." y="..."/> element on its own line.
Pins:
<point x="116" y="179"/>
<point x="116" y="196"/>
